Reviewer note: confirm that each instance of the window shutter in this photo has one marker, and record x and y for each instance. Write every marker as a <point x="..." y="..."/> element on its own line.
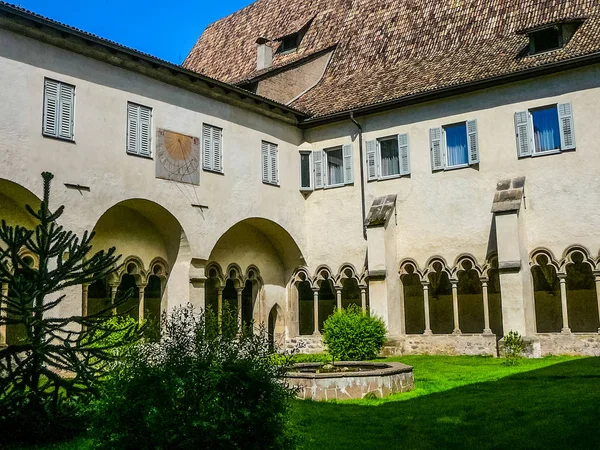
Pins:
<point x="145" y="130"/>
<point x="524" y="140"/>
<point x="318" y="163"/>
<point x="372" y="166"/>
<point x="435" y="144"/>
<point x="348" y="164"/>
<point x="66" y="107"/>
<point x="132" y="128"/>
<point x="403" y="154"/>
<point x="325" y="168"/>
<point x="567" y="128"/>
<point x="472" y="142"/>
<point x="50" y="123"/>
<point x="206" y="147"/>
<point x="274" y="160"/>
<point x="265" y="162"/>
<point x="217" y="149"/>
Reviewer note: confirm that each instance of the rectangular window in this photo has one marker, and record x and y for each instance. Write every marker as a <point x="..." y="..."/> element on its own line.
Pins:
<point x="390" y="158"/>
<point x="59" y="110"/>
<point x="453" y="146"/>
<point x="334" y="162"/>
<point x="306" y="171"/>
<point x="139" y="129"/>
<point x="544" y="130"/>
<point x="270" y="163"/>
<point x="212" y="148"/>
<point x="457" y="153"/>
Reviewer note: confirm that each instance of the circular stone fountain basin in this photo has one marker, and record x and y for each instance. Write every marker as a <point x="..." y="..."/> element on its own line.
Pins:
<point x="357" y="380"/>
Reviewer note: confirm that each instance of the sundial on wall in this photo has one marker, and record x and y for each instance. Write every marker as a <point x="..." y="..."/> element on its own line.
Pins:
<point x="177" y="157"/>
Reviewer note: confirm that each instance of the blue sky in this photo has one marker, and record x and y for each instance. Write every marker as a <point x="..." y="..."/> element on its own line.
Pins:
<point x="167" y="30"/>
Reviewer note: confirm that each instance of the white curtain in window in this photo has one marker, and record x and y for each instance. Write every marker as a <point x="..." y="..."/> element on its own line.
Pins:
<point x="335" y="167"/>
<point x="390" y="164"/>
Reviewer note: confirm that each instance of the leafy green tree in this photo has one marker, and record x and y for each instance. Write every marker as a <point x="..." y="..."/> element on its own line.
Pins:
<point x="58" y="359"/>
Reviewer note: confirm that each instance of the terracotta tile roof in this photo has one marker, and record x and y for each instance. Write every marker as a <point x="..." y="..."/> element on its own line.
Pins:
<point x="390" y="49"/>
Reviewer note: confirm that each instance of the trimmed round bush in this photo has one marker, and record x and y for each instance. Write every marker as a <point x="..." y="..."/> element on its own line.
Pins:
<point x="351" y="335"/>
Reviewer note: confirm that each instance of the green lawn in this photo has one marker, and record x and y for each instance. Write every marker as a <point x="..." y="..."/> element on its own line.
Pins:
<point x="468" y="403"/>
<point x="464" y="403"/>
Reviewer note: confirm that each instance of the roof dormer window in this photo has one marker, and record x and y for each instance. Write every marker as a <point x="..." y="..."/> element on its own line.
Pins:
<point x="552" y="37"/>
<point x="289" y="43"/>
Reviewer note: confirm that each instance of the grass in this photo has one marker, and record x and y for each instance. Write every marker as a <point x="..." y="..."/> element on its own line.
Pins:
<point x="464" y="403"/>
<point x="467" y="403"/>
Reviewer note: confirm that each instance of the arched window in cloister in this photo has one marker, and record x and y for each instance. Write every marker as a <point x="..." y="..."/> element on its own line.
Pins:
<point x="440" y="299"/>
<point x="582" y="298"/>
<point x="495" y="299"/>
<point x="16" y="333"/>
<point x="470" y="298"/>
<point x="305" y="308"/>
<point x="128" y="287"/>
<point x="98" y="297"/>
<point x="547" y="296"/>
<point x="414" y="307"/>
<point x="327" y="299"/>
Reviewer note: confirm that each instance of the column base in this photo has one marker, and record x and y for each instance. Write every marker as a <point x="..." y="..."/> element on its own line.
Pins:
<point x="316" y="333"/>
<point x="428" y="333"/>
<point x="487" y="331"/>
<point x="565" y="331"/>
<point x="456" y="331"/>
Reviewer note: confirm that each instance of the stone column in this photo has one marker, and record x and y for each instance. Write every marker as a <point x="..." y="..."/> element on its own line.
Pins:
<point x="486" y="307"/>
<point x="455" y="306"/>
<point x="239" y="307"/>
<point x="427" y="331"/>
<point x="363" y="298"/>
<point x="84" y="299"/>
<point x="141" y="304"/>
<point x="597" y="295"/>
<point x="219" y="306"/>
<point x="316" y="311"/>
<point x="562" y="278"/>
<point x="338" y="296"/>
<point x="3" y="314"/>
<point x="113" y="296"/>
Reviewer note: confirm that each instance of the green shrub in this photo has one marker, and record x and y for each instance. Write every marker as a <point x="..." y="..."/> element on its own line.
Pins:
<point x="351" y="335"/>
<point x="513" y="347"/>
<point x="197" y="387"/>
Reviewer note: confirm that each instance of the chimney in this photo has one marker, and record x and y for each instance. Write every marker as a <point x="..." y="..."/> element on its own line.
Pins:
<point x="264" y="54"/>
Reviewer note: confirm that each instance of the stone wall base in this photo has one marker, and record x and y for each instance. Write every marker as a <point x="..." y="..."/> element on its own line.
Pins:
<point x="306" y="344"/>
<point x="441" y="344"/>
<point x="584" y="344"/>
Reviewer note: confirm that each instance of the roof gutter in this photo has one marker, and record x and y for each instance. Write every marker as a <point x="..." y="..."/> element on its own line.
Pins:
<point x="59" y="35"/>
<point x="449" y="91"/>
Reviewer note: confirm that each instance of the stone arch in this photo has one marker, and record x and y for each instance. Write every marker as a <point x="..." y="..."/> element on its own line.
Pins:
<point x="492" y="277"/>
<point x="301" y="302"/>
<point x="581" y="295"/>
<point x="441" y="308"/>
<point x="215" y="281"/>
<point x="13" y="200"/>
<point x="276" y="326"/>
<point x="411" y="291"/>
<point x="545" y="271"/>
<point x="251" y="304"/>
<point x="348" y="282"/>
<point x="155" y="236"/>
<point x="469" y="276"/>
<point x="324" y="285"/>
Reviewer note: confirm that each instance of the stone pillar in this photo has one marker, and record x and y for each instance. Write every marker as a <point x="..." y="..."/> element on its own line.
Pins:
<point x="427" y="331"/>
<point x="3" y="314"/>
<point x="219" y="306"/>
<point x="316" y="311"/>
<point x="239" y="307"/>
<point x="84" y="299"/>
<point x="455" y="306"/>
<point x="486" y="307"/>
<point x="141" y="304"/>
<point x="113" y="296"/>
<point x="598" y="295"/>
<point x="562" y="278"/>
<point x="338" y="296"/>
<point x="363" y="299"/>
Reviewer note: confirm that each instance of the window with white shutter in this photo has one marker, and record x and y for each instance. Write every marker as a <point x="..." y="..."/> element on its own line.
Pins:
<point x="139" y="130"/>
<point x="212" y="148"/>
<point x="454" y="146"/>
<point x="388" y="157"/>
<point x="270" y="163"/>
<point x="59" y="110"/>
<point x="546" y="130"/>
<point x="306" y="179"/>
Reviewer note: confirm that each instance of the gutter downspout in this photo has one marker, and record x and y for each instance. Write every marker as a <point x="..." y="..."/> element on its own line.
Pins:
<point x="362" y="172"/>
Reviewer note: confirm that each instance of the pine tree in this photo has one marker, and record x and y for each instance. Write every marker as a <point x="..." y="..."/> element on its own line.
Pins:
<point x="59" y="358"/>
